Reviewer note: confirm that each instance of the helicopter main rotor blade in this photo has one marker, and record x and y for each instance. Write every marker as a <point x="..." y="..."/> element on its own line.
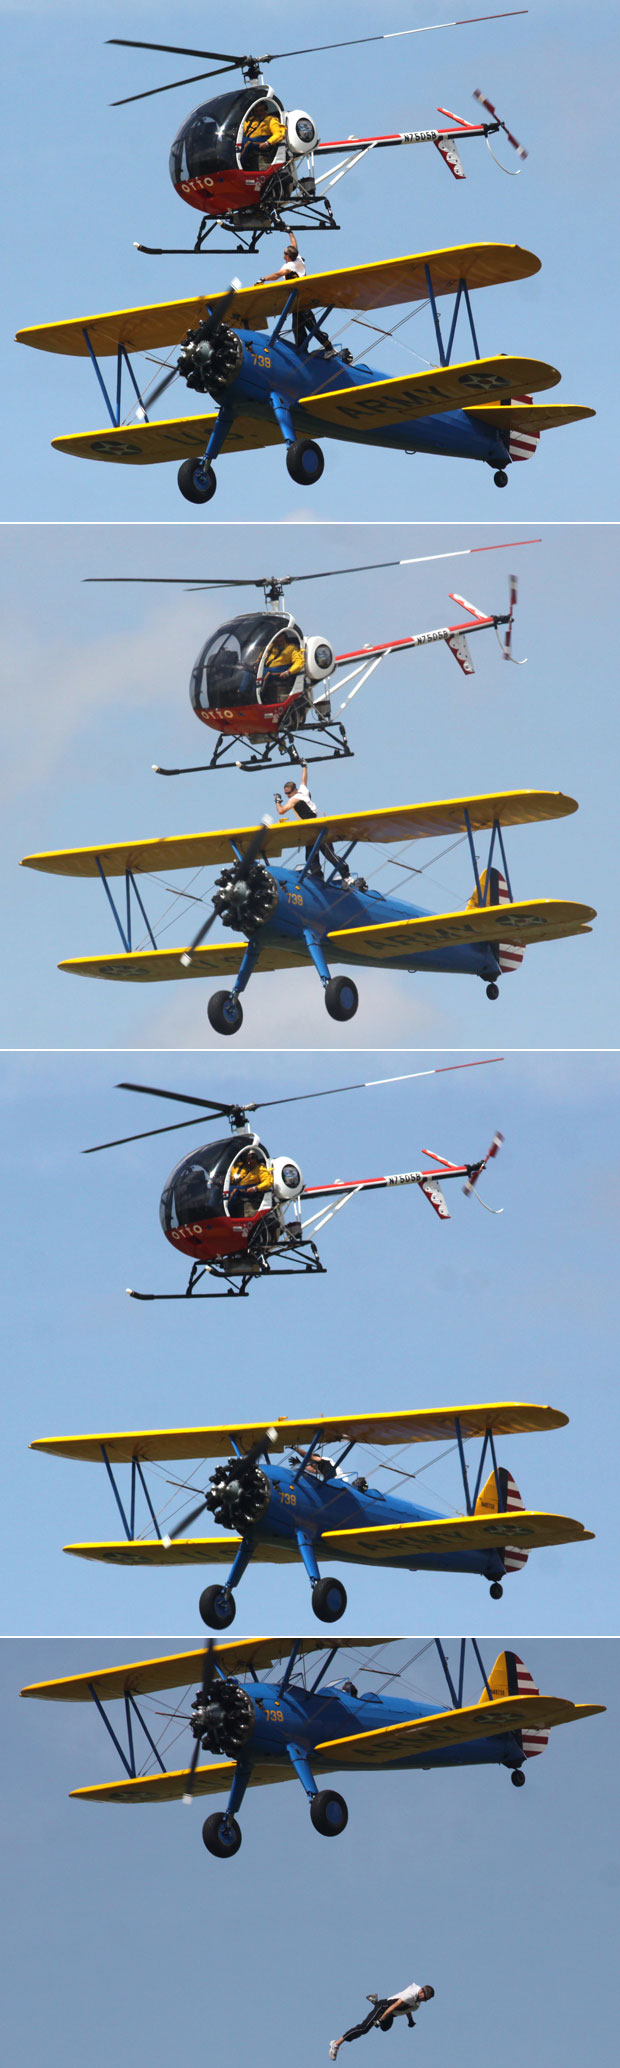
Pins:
<point x="390" y="35"/>
<point x="192" y="80"/>
<point x="176" y="49"/>
<point x="212" y="1106"/>
<point x="183" y="1098"/>
<point x="211" y="582"/>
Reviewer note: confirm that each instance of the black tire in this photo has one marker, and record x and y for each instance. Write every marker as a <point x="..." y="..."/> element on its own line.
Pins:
<point x="496" y="1591"/>
<point x="195" y="484"/>
<point x="501" y="478"/>
<point x="341" y="998"/>
<point x="225" y="1012"/>
<point x="492" y="990"/>
<point x="221" y="1835"/>
<point x="329" y="1813"/>
<point x="329" y="1600"/>
<point x="305" y="462"/>
<point x="517" y="1778"/>
<point x="218" y="1607"/>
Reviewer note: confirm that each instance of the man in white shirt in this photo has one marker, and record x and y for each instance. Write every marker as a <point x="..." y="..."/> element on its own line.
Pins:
<point x="293" y="266"/>
<point x="297" y="798"/>
<point x="385" y="2009"/>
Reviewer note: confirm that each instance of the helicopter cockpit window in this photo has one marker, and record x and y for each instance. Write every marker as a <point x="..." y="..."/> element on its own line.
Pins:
<point x="209" y="140"/>
<point x="226" y="670"/>
<point x="195" y="1189"/>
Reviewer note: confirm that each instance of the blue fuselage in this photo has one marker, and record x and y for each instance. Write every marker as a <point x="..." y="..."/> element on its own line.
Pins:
<point x="314" y="1505"/>
<point x="307" y="1720"/>
<point x="293" y="374"/>
<point x="322" y="907"/>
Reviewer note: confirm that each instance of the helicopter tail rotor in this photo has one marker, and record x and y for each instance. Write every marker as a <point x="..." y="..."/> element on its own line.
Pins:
<point x="475" y="1171"/>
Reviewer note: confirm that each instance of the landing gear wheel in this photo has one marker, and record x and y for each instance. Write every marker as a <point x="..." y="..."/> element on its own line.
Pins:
<point x="329" y="1813"/>
<point x="218" y="1607"/>
<point x="329" y="1600"/>
<point x="517" y="1778"/>
<point x="496" y="1591"/>
<point x="196" y="483"/>
<point x="305" y="462"/>
<point x="221" y="1835"/>
<point x="492" y="990"/>
<point x="500" y="478"/>
<point x="341" y="998"/>
<point x="225" y="1012"/>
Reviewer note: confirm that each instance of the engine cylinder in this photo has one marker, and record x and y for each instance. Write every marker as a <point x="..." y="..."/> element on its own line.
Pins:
<point x="210" y="364"/>
<point x="240" y="1495"/>
<point x="246" y="901"/>
<point x="226" y="1720"/>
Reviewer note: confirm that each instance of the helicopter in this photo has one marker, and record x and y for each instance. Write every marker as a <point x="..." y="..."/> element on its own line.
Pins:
<point x="242" y="158"/>
<point x="260" y="682"/>
<point x="275" y="1730"/>
<point x="225" y="1205"/>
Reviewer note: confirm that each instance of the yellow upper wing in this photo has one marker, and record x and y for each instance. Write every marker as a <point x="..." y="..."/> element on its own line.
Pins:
<point x="454" y="1727"/>
<point x="379" y="285"/>
<point x="380" y="403"/>
<point x="400" y="822"/>
<point x="534" y="919"/>
<point x="176" y="1669"/>
<point x="213" y="1440"/>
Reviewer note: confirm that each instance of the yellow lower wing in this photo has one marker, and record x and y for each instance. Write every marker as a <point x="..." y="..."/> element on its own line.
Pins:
<point x="162" y="965"/>
<point x="175" y="438"/>
<point x="530" y="416"/>
<point x="183" y="1551"/>
<point x="537" y="919"/>
<point x="379" y="403"/>
<point x="459" y="1533"/>
<point x="208" y="1780"/>
<point x="453" y="1727"/>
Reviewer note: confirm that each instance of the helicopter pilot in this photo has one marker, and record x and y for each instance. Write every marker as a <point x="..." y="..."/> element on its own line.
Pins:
<point x="251" y="1183"/>
<point x="297" y="798"/>
<point x="284" y="660"/>
<point x="263" y="133"/>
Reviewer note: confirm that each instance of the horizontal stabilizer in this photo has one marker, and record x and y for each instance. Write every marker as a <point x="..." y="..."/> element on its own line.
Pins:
<point x="214" y="1440"/>
<point x="530" y="416"/>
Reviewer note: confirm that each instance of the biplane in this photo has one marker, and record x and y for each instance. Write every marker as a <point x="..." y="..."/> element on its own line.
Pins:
<point x="260" y="682"/>
<point x="301" y="916"/>
<point x="292" y="387"/>
<point x="241" y="158"/>
<point x="237" y="1211"/>
<point x="303" y="1506"/>
<point x="298" y="1725"/>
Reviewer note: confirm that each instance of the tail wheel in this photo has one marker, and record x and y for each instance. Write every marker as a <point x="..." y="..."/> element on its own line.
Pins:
<point x="218" y="1607"/>
<point x="501" y="478"/>
<point x="329" y="1600"/>
<point x="496" y="1591"/>
<point x="492" y="990"/>
<point x="305" y="462"/>
<point x="197" y="483"/>
<point x="341" y="998"/>
<point x="225" y="1012"/>
<point x="221" y="1835"/>
<point x="329" y="1813"/>
<point x="517" y="1778"/>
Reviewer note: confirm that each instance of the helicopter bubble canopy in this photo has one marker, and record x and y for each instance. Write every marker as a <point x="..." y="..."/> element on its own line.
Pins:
<point x="258" y="659"/>
<point x="243" y="131"/>
<point x="217" y="1180"/>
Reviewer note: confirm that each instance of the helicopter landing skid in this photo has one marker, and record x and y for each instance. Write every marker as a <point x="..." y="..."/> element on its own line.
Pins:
<point x="282" y="744"/>
<point x="318" y="216"/>
<point x="303" y="1260"/>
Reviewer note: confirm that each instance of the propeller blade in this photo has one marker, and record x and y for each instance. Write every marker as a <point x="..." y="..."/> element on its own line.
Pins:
<point x="185" y="1524"/>
<point x="161" y="386"/>
<point x="198" y="938"/>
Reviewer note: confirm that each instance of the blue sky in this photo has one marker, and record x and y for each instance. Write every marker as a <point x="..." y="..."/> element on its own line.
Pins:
<point x="411" y="1312"/>
<point x="89" y="180"/>
<point x="140" y="1941"/>
<point x="97" y="690"/>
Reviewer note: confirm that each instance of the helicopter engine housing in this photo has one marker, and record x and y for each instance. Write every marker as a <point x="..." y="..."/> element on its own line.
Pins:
<point x="225" y="1720"/>
<point x="287" y="1178"/>
<point x="301" y="132"/>
<point x="240" y="1495"/>
<point x="320" y="659"/>
<point x="211" y="364"/>
<point x="246" y="902"/>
